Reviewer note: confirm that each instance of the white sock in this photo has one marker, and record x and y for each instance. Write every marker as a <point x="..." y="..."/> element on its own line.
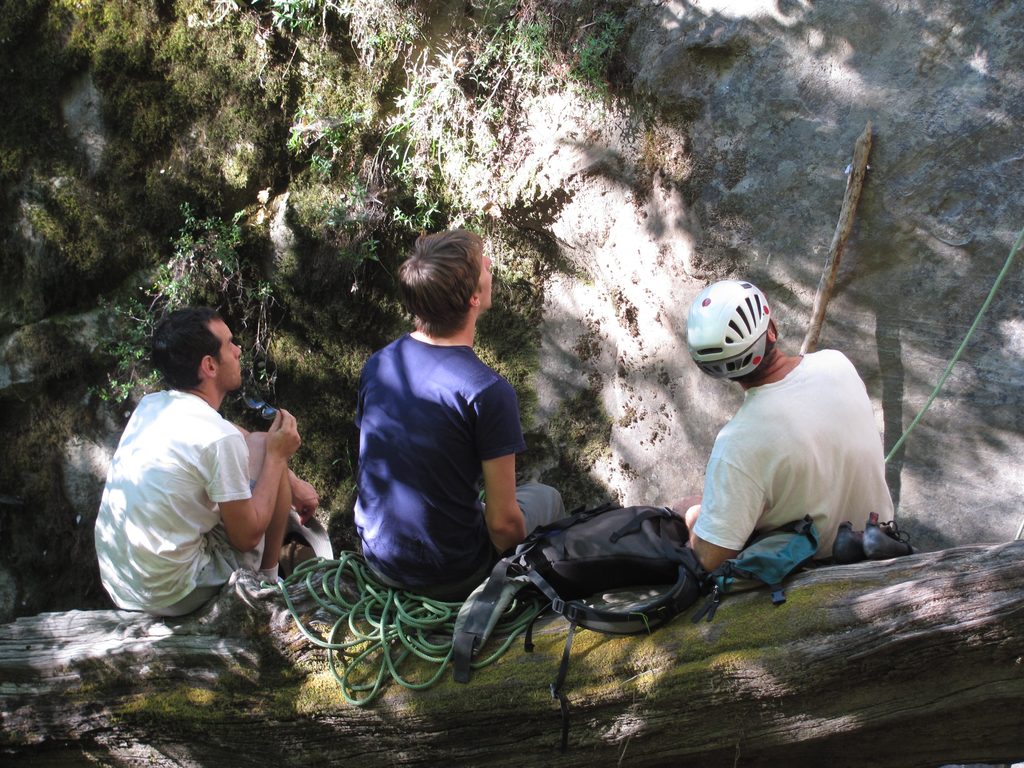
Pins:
<point x="269" y="574"/>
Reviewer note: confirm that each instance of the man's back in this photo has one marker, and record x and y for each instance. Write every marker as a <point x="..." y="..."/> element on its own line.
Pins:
<point x="176" y="459"/>
<point x="428" y="416"/>
<point x="807" y="444"/>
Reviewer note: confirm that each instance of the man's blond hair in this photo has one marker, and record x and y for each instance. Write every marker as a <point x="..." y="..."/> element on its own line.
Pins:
<point x="439" y="278"/>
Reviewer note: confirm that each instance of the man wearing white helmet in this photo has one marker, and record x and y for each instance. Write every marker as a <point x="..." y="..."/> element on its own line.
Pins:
<point x="804" y="441"/>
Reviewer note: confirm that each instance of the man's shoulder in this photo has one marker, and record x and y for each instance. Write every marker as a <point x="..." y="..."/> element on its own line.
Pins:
<point x="456" y="365"/>
<point x="172" y="414"/>
<point x="828" y="358"/>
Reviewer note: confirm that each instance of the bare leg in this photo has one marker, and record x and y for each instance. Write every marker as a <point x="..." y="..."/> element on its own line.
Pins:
<point x="273" y="538"/>
<point x="278" y="524"/>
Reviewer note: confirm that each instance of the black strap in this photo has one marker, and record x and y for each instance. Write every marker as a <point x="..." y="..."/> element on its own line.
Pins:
<point x="556" y="687"/>
<point x="557" y="603"/>
<point x="528" y="637"/>
<point x="634" y="525"/>
<point x="463" y="647"/>
<point x="710" y="606"/>
<point x="660" y="608"/>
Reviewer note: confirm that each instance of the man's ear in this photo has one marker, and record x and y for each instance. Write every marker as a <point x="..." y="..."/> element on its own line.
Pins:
<point x="207" y="367"/>
<point x="773" y="332"/>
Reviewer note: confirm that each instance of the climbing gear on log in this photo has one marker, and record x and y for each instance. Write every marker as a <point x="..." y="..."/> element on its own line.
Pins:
<point x="373" y="633"/>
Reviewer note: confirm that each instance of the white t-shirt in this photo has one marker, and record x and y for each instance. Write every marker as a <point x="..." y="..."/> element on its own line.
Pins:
<point x="806" y="445"/>
<point x="159" y="524"/>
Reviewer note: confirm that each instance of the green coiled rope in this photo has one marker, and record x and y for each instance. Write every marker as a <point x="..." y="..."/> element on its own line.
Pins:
<point x="376" y="629"/>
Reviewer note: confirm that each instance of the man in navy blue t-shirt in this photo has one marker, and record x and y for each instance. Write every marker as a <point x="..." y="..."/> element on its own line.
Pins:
<point x="434" y="422"/>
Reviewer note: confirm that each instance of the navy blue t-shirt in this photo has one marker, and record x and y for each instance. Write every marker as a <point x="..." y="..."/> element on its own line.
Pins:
<point x="427" y="417"/>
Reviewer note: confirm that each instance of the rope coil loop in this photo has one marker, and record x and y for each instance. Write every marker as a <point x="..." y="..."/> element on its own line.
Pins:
<point x="378" y="632"/>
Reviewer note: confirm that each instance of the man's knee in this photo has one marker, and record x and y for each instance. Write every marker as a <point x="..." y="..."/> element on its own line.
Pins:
<point x="257" y="442"/>
<point x="541" y="504"/>
<point x="688" y="508"/>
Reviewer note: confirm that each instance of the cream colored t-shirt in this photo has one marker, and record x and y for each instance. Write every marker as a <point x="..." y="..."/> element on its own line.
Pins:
<point x="159" y="522"/>
<point x="806" y="445"/>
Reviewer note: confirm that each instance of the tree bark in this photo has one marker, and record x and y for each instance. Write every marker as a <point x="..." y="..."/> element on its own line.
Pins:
<point x="917" y="661"/>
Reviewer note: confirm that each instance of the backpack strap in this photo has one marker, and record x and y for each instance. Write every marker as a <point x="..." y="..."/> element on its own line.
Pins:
<point x="556" y="687"/>
<point x="710" y="605"/>
<point x="479" y="614"/>
<point x="634" y="524"/>
<point x="641" y="617"/>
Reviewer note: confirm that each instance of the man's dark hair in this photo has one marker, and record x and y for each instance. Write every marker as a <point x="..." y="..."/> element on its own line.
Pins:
<point x="181" y="341"/>
<point x="439" y="279"/>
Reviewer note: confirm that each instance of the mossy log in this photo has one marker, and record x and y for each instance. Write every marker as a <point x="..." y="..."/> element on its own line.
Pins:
<point x="912" y="662"/>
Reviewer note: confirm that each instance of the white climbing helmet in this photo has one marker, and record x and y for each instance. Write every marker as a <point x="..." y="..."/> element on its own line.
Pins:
<point x="727" y="328"/>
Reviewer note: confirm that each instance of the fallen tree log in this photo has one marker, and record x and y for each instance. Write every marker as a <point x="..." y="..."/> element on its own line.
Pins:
<point x="912" y="662"/>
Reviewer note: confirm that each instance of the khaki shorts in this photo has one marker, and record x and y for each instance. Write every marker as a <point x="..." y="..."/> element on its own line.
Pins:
<point x="224" y="561"/>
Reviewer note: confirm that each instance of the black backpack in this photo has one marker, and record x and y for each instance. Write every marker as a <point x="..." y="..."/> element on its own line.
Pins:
<point x="575" y="563"/>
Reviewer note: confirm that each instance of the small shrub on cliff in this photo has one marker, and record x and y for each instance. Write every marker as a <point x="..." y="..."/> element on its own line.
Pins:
<point x="206" y="268"/>
<point x="595" y="49"/>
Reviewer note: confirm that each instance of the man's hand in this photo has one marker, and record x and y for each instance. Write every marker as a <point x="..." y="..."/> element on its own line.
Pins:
<point x="305" y="499"/>
<point x="283" y="436"/>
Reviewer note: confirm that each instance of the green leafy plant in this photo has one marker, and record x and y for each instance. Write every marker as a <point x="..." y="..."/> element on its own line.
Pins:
<point x="126" y="340"/>
<point x="204" y="269"/>
<point x="300" y="15"/>
<point x="326" y="138"/>
<point x="595" y="50"/>
<point x="379" y="29"/>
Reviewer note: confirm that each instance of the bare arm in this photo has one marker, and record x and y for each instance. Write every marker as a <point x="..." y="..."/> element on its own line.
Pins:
<point x="710" y="555"/>
<point x="246" y="520"/>
<point x="305" y="499"/>
<point x="504" y="519"/>
<point x="304" y="496"/>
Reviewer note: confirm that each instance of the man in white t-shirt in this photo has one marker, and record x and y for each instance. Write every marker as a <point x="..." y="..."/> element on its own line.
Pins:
<point x="190" y="497"/>
<point x="804" y="441"/>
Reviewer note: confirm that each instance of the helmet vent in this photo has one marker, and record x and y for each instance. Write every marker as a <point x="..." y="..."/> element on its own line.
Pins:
<point x="754" y="314"/>
<point x="710" y="350"/>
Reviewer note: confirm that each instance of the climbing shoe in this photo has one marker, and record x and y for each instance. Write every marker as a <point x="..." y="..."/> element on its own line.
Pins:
<point x="848" y="546"/>
<point x="884" y="540"/>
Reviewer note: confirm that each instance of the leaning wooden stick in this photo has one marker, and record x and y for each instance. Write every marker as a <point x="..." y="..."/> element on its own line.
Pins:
<point x="854" y="184"/>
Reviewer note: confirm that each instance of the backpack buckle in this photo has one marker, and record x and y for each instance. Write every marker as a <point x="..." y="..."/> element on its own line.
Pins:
<point x="558" y="605"/>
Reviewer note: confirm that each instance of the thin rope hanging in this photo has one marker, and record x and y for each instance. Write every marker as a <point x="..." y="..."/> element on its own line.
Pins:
<point x="956" y="357"/>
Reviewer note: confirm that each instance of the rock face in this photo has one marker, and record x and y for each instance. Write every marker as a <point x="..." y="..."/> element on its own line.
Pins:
<point x="721" y="150"/>
<point x="81" y="110"/>
<point x="37" y="352"/>
<point x="763" y="105"/>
